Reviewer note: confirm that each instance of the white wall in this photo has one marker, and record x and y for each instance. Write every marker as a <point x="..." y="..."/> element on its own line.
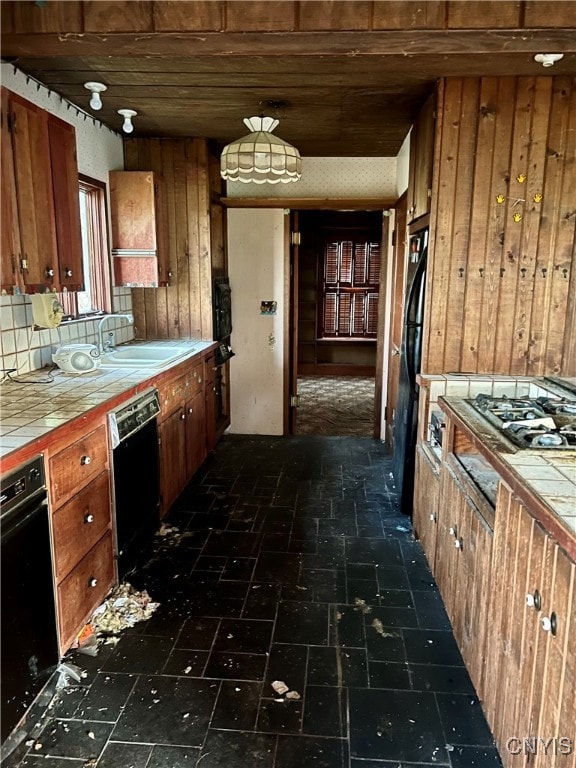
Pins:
<point x="99" y="150"/>
<point x="257" y="270"/>
<point x="330" y="177"/>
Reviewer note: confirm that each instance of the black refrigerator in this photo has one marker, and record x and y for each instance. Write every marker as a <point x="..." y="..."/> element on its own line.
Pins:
<point x="411" y="354"/>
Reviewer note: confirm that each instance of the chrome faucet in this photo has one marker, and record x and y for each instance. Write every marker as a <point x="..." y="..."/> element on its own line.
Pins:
<point x="106" y="346"/>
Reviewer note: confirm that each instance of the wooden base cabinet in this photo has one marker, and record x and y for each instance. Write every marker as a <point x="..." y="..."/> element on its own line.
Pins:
<point x="462" y="567"/>
<point x="530" y="699"/>
<point x="181" y="430"/>
<point x="426" y="499"/>
<point x="80" y="502"/>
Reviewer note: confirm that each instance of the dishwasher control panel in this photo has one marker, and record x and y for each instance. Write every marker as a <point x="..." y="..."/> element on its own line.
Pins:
<point x="131" y="416"/>
<point x="21" y="483"/>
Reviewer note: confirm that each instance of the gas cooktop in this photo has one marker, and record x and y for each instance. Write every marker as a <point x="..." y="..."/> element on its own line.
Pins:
<point x="543" y="423"/>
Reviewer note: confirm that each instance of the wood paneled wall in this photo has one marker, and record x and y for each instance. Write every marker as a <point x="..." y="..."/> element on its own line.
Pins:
<point x="501" y="292"/>
<point x="183" y="309"/>
<point x="283" y="16"/>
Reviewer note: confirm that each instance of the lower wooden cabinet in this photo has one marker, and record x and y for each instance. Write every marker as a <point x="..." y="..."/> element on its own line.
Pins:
<point x="84" y="588"/>
<point x="82" y="541"/>
<point x="426" y="499"/>
<point x="172" y="438"/>
<point x="530" y="654"/>
<point x="463" y="568"/>
<point x="195" y="429"/>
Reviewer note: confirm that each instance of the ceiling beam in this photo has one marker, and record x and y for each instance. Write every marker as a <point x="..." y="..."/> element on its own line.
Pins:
<point x="313" y="203"/>
<point x="273" y="44"/>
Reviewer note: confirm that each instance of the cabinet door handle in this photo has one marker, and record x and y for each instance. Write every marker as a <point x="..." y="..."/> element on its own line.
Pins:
<point x="88" y="517"/>
<point x="549" y="623"/>
<point x="458" y="543"/>
<point x="67" y="272"/>
<point x="534" y="600"/>
<point x="182" y="416"/>
<point x="189" y="410"/>
<point x="433" y="517"/>
<point x="49" y="272"/>
<point x="92" y="581"/>
<point x="453" y="530"/>
<point x="85" y="460"/>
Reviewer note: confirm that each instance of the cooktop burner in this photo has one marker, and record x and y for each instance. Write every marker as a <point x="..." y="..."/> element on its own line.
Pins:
<point x="544" y="423"/>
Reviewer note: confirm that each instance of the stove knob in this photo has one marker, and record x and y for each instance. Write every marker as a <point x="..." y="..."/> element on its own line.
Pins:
<point x="34" y="474"/>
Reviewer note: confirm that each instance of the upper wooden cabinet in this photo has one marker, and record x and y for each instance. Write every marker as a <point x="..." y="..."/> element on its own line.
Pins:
<point x="421" y="161"/>
<point x="139" y="217"/>
<point x="41" y="237"/>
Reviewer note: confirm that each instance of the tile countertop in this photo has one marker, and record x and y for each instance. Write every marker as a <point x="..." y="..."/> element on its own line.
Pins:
<point x="545" y="480"/>
<point x="31" y="410"/>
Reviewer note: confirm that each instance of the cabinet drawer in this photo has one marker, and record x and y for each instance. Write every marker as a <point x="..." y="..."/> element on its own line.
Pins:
<point x="79" y="524"/>
<point x="77" y="465"/>
<point x="84" y="588"/>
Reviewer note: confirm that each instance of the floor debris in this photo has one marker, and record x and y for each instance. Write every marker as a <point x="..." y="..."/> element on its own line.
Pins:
<point x="280" y="686"/>
<point x="361" y="605"/>
<point x="124" y="608"/>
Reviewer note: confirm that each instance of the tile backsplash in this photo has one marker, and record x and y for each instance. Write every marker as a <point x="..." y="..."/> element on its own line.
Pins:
<point x="29" y="349"/>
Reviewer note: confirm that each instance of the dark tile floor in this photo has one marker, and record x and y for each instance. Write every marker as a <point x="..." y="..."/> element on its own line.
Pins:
<point x="294" y="565"/>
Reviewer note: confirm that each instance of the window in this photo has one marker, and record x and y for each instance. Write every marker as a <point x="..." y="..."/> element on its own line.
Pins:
<point x="96" y="297"/>
<point x="351" y="277"/>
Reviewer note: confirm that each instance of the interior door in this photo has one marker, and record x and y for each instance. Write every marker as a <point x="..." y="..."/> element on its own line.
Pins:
<point x="293" y="374"/>
<point x="396" y="309"/>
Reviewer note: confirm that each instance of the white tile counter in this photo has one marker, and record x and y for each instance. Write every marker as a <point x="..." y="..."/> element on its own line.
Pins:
<point x="30" y="410"/>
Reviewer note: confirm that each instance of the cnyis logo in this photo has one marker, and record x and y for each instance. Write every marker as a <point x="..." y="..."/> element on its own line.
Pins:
<point x="536" y="745"/>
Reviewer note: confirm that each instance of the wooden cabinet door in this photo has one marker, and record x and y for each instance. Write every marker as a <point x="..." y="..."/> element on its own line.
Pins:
<point x="421" y="161"/>
<point x="139" y="218"/>
<point x="195" y="433"/>
<point x="10" y="275"/>
<point x="555" y="716"/>
<point x="426" y="498"/>
<point x="449" y="513"/>
<point x="172" y="458"/>
<point x="66" y="204"/>
<point x="34" y="194"/>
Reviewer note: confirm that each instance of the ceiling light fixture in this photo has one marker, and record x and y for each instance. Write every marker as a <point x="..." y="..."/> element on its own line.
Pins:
<point x="260" y="157"/>
<point x="127" y="114"/>
<point x="96" y="89"/>
<point x="548" y="59"/>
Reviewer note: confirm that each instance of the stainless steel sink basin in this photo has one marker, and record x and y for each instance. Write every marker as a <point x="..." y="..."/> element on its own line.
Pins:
<point x="143" y="355"/>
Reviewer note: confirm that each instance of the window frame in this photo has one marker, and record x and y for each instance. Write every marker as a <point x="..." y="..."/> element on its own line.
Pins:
<point x="99" y="273"/>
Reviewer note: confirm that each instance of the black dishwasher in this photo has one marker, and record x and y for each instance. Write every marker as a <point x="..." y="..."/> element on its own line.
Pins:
<point x="29" y="633"/>
<point x="136" y="477"/>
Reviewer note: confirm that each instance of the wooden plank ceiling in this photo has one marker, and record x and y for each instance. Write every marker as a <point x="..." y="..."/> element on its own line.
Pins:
<point x="344" y="78"/>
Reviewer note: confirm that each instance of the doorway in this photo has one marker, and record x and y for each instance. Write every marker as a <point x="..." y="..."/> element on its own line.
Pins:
<point x="336" y="265"/>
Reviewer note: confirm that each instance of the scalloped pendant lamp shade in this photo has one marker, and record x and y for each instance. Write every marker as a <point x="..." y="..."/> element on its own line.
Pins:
<point x="260" y="157"/>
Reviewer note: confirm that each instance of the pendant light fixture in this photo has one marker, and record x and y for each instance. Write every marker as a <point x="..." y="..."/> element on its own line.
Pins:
<point x="260" y="157"/>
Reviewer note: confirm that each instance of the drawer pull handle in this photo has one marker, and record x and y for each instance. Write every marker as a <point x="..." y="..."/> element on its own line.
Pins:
<point x="85" y="460"/>
<point x="92" y="582"/>
<point x="88" y="517"/>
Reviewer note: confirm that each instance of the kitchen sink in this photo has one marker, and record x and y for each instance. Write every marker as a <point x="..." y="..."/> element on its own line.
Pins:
<point x="143" y="355"/>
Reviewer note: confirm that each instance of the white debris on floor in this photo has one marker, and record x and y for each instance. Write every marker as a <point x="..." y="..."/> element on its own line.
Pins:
<point x="123" y="608"/>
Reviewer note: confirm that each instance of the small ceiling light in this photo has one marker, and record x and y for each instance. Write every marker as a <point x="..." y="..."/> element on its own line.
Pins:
<point x="127" y="114"/>
<point x="548" y="59"/>
<point x="97" y="89"/>
<point x="260" y="157"/>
